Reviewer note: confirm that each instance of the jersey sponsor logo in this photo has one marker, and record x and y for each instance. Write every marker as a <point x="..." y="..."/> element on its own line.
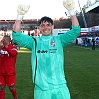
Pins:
<point x="52" y="50"/>
<point x="3" y="52"/>
<point x="45" y="51"/>
<point x="42" y="51"/>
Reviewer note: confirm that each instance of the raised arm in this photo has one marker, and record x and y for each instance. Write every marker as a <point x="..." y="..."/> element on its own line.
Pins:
<point x="74" y="21"/>
<point x="17" y="26"/>
<point x="21" y="10"/>
<point x="70" y="5"/>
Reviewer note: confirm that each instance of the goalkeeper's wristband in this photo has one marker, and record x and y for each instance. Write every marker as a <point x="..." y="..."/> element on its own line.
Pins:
<point x="20" y="17"/>
<point x="71" y="12"/>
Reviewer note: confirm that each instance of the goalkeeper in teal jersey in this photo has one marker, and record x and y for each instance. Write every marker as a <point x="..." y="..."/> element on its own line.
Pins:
<point x="47" y="54"/>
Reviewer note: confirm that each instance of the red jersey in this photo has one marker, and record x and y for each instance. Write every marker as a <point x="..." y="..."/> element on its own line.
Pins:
<point x="0" y="59"/>
<point x="8" y="60"/>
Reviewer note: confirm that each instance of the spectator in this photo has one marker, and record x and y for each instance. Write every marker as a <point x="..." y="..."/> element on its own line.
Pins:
<point x="93" y="43"/>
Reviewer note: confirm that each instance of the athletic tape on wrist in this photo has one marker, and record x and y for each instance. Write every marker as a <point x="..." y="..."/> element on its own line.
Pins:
<point x="20" y="17"/>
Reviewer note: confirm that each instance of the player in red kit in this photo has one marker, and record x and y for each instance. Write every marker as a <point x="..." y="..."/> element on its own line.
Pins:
<point x="1" y="45"/>
<point x="8" y="55"/>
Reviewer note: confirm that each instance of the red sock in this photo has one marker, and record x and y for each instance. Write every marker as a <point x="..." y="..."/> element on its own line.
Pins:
<point x="2" y="94"/>
<point x="14" y="93"/>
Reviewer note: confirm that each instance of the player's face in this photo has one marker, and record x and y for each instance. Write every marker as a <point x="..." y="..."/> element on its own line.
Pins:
<point x="5" y="40"/>
<point x="46" y="28"/>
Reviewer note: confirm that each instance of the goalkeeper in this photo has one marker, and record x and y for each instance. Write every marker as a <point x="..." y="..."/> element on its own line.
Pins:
<point x="47" y="53"/>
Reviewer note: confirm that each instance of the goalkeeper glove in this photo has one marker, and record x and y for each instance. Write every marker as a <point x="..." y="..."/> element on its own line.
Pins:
<point x="21" y="10"/>
<point x="69" y="5"/>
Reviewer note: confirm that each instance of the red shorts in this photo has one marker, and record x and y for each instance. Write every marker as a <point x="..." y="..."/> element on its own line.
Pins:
<point x="9" y="80"/>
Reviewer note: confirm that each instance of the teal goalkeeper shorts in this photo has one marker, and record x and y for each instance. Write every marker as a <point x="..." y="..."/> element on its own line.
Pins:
<point x="59" y="93"/>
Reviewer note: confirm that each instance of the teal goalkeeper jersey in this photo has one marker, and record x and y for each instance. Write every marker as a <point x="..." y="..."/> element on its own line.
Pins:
<point x="50" y="56"/>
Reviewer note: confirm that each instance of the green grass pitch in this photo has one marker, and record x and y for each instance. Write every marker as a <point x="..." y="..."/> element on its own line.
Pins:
<point x="81" y="70"/>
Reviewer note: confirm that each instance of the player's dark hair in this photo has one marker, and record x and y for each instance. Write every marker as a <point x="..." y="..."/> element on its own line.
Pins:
<point x="46" y="19"/>
<point x="8" y="37"/>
